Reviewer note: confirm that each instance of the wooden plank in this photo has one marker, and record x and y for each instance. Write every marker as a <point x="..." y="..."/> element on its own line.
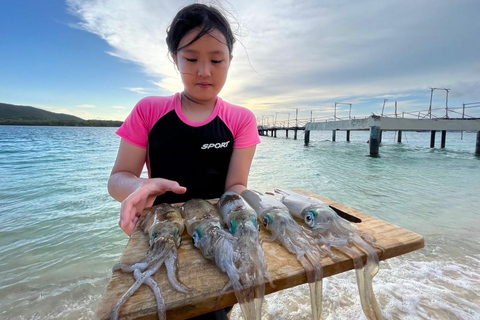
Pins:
<point x="206" y="280"/>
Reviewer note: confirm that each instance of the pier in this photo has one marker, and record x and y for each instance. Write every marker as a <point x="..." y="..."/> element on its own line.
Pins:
<point x="377" y="124"/>
<point x="423" y="120"/>
<point x="265" y="130"/>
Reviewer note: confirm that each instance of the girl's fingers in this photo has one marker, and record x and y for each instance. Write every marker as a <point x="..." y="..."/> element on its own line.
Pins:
<point x="132" y="207"/>
<point x="128" y="217"/>
<point x="127" y="210"/>
<point x="135" y="220"/>
<point x="170" y="185"/>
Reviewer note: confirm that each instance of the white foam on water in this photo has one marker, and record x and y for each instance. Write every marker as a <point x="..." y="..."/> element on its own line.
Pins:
<point x="405" y="288"/>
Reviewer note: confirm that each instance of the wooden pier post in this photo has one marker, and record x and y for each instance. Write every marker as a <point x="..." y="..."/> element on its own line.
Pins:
<point x="477" y="148"/>
<point x="287" y="133"/>
<point x="444" y="137"/>
<point x="374" y="141"/>
<point x="295" y="134"/>
<point x="348" y="135"/>
<point x="275" y="133"/>
<point x="307" y="137"/>
<point x="334" y="134"/>
<point x="380" y="137"/>
<point x="399" y="139"/>
<point x="432" y="139"/>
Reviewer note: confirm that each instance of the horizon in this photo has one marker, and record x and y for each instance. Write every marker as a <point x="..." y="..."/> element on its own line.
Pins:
<point x="96" y="60"/>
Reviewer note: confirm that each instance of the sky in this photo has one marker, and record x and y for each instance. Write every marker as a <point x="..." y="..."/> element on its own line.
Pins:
<point x="97" y="59"/>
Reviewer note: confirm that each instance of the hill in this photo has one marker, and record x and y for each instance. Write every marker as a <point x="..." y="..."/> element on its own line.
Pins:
<point x="11" y="114"/>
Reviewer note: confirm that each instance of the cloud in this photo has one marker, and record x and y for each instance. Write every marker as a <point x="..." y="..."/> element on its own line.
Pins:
<point x="137" y="90"/>
<point x="307" y="54"/>
<point x="86" y="106"/>
<point x="119" y="107"/>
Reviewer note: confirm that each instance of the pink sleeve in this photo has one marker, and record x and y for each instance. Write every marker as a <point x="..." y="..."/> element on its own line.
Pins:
<point x="135" y="129"/>
<point x="243" y="124"/>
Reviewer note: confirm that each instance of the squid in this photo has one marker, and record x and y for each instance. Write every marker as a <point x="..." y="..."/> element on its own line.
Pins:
<point x="242" y="223"/>
<point x="332" y="231"/>
<point x="284" y="229"/>
<point x="204" y="225"/>
<point x="164" y="225"/>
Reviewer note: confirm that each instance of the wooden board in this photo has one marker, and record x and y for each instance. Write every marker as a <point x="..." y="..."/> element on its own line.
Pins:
<point x="206" y="280"/>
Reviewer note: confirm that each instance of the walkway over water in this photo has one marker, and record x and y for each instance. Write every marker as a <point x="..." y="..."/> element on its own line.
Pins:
<point x="377" y="124"/>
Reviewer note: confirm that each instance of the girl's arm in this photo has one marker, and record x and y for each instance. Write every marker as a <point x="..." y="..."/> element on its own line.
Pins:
<point x="240" y="162"/>
<point x="135" y="193"/>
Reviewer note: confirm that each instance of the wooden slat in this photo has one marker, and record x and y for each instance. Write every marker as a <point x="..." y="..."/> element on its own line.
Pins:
<point x="206" y="280"/>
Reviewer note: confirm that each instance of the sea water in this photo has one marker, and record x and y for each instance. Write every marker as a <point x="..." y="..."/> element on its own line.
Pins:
<point x="59" y="234"/>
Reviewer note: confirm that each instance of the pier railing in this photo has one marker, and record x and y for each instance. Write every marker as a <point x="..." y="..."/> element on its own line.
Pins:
<point x="466" y="111"/>
<point x="459" y="113"/>
<point x="423" y="120"/>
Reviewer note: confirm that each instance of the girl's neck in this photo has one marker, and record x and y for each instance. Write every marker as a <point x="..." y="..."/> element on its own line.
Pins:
<point x="197" y="111"/>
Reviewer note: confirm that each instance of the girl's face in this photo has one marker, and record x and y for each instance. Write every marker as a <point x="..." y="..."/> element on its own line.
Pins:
<point x="203" y="65"/>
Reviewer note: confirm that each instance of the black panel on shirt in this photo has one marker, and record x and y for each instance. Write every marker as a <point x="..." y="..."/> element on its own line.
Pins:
<point x="196" y="157"/>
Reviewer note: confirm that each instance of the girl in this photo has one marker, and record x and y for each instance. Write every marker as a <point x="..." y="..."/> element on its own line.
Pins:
<point x="195" y="144"/>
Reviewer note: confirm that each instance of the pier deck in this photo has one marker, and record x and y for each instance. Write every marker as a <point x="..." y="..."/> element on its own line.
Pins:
<point x="377" y="124"/>
<point x="207" y="281"/>
<point x="396" y="124"/>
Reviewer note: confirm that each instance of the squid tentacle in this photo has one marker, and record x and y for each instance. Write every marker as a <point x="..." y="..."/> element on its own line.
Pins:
<point x="372" y="264"/>
<point x="268" y="239"/>
<point x="130" y="268"/>
<point x="253" y="268"/>
<point x="151" y="258"/>
<point x="364" y="273"/>
<point x="249" y="243"/>
<point x="226" y="257"/>
<point x="134" y="288"/>
<point x="161" y="309"/>
<point x="364" y="282"/>
<point x="171" y="265"/>
<point x="300" y="243"/>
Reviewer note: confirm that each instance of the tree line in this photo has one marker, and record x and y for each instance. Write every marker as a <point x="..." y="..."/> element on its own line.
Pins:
<point x="66" y="123"/>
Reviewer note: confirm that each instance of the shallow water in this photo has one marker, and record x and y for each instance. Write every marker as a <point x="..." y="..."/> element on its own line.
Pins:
<point x="59" y="235"/>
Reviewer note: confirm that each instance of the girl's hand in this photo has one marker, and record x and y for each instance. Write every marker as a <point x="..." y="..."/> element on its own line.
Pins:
<point x="133" y="206"/>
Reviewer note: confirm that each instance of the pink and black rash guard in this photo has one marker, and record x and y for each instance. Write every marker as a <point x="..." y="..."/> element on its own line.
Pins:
<point x="195" y="154"/>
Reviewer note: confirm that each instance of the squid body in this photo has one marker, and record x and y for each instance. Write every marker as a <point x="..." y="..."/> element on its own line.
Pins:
<point x="204" y="225"/>
<point x="284" y="229"/>
<point x="164" y="226"/>
<point x="242" y="223"/>
<point x="333" y="231"/>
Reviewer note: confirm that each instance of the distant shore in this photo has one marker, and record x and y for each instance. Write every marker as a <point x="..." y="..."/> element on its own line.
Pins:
<point x="61" y="123"/>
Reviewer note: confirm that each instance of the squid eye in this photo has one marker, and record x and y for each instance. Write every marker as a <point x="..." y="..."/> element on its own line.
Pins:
<point x="265" y="222"/>
<point x="195" y="237"/>
<point x="310" y="218"/>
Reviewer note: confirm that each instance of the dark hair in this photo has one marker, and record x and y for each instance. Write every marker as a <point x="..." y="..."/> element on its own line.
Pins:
<point x="195" y="16"/>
